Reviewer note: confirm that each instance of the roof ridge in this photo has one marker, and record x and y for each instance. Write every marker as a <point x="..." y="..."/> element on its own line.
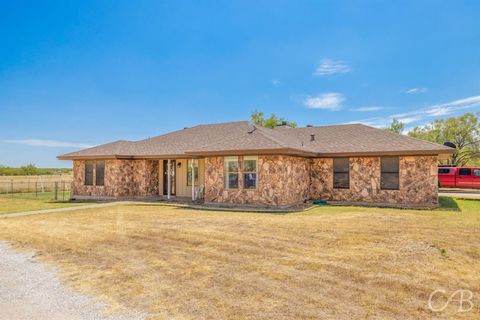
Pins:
<point x="267" y="135"/>
<point x="236" y="138"/>
<point x="323" y="126"/>
<point x="189" y="128"/>
<point x="219" y="123"/>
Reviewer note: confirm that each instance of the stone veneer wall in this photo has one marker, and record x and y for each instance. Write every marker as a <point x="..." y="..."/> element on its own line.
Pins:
<point x="123" y="178"/>
<point x="282" y="181"/>
<point x="418" y="181"/>
<point x="287" y="180"/>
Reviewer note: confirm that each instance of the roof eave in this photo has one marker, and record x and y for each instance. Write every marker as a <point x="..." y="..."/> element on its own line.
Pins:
<point x="278" y="151"/>
<point x="386" y="153"/>
<point x="92" y="157"/>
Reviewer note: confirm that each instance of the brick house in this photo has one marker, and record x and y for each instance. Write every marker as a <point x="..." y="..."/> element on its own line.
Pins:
<point x="238" y="163"/>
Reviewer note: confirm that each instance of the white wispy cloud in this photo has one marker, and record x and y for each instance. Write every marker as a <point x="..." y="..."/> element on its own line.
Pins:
<point x="275" y="82"/>
<point x="443" y="109"/>
<point x="416" y="90"/>
<point x="330" y="67"/>
<point x="366" y="109"/>
<point x="49" y="143"/>
<point x="408" y="120"/>
<point x="424" y="115"/>
<point x="327" y="101"/>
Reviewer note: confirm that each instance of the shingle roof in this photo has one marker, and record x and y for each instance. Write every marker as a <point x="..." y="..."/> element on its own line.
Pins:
<point x="360" y="139"/>
<point x="240" y="138"/>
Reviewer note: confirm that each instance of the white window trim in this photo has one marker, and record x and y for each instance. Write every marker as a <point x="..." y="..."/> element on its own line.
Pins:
<point x="245" y="158"/>
<point x="226" y="160"/>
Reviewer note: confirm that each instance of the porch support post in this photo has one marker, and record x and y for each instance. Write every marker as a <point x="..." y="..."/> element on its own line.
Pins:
<point x="169" y="179"/>
<point x="193" y="179"/>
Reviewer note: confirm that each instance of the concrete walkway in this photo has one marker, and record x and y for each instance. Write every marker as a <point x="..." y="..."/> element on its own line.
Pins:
<point x="90" y="206"/>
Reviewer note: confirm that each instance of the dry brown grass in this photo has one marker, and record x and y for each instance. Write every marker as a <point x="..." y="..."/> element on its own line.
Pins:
<point x="331" y="262"/>
<point x="40" y="178"/>
<point x="42" y="183"/>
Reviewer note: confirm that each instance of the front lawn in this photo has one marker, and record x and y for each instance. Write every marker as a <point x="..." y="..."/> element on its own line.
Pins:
<point x="31" y="201"/>
<point x="326" y="263"/>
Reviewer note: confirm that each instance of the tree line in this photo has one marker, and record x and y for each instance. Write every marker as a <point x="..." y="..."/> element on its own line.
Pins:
<point x="31" y="170"/>
<point x="461" y="133"/>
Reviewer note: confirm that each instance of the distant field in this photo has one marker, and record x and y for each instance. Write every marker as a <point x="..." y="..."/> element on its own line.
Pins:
<point x="50" y="177"/>
<point x="31" y="170"/>
<point x="39" y="183"/>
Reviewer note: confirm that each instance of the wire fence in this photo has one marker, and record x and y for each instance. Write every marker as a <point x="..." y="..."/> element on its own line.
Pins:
<point x="38" y="189"/>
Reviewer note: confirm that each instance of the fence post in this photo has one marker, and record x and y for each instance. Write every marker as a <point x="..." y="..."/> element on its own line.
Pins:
<point x="36" y="189"/>
<point x="56" y="190"/>
<point x="11" y="186"/>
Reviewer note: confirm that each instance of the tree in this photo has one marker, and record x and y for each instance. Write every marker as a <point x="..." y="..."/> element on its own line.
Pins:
<point x="29" y="170"/>
<point x="463" y="132"/>
<point x="396" y="126"/>
<point x="259" y="119"/>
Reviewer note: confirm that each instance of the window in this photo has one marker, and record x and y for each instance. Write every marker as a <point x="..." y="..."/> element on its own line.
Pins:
<point x="390" y="178"/>
<point x="189" y="171"/>
<point x="231" y="172"/>
<point x="341" y="173"/>
<point x="464" y="172"/>
<point x="89" y="173"/>
<point x="476" y="172"/>
<point x="250" y="172"/>
<point x="99" y="172"/>
<point x="443" y="171"/>
<point x="99" y="168"/>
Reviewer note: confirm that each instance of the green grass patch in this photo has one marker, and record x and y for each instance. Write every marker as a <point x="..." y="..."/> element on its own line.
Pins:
<point x="30" y="201"/>
<point x="448" y="203"/>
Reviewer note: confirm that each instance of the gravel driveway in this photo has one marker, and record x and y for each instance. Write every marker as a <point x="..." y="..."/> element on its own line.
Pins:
<point x="30" y="291"/>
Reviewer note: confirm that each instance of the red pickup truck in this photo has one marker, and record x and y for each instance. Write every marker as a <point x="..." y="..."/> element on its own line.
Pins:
<point x="453" y="177"/>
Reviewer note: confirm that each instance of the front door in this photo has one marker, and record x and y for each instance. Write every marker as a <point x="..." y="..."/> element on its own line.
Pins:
<point x="173" y="167"/>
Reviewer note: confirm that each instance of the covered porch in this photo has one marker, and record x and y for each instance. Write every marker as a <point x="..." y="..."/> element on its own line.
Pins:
<point x="181" y="179"/>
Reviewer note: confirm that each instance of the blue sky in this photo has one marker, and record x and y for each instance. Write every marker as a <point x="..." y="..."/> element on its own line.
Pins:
<point x="81" y="73"/>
